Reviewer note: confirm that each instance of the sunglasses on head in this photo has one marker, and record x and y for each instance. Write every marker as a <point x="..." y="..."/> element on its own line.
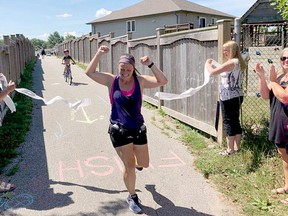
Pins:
<point x="283" y="58"/>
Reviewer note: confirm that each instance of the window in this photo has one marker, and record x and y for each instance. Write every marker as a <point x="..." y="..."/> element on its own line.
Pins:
<point x="131" y="26"/>
<point x="202" y="22"/>
<point x="213" y="21"/>
<point x="93" y="29"/>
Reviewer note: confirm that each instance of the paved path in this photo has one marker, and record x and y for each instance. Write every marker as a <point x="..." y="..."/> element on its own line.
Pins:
<point x="68" y="166"/>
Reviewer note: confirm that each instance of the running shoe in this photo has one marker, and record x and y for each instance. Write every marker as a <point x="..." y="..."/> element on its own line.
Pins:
<point x="134" y="204"/>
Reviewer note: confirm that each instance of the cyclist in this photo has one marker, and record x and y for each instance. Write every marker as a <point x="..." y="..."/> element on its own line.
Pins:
<point x="66" y="61"/>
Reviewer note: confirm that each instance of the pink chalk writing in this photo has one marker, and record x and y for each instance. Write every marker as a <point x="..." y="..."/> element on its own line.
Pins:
<point x="103" y="166"/>
<point x="105" y="172"/>
<point x="175" y="158"/>
<point x="62" y="168"/>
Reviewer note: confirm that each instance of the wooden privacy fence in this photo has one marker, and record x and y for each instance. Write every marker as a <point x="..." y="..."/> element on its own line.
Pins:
<point x="15" y="53"/>
<point x="181" y="55"/>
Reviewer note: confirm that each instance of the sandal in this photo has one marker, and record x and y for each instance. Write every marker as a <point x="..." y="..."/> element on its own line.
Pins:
<point x="6" y="187"/>
<point x="279" y="191"/>
<point x="226" y="153"/>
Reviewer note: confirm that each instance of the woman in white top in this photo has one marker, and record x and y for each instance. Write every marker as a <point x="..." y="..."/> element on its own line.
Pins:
<point x="231" y="95"/>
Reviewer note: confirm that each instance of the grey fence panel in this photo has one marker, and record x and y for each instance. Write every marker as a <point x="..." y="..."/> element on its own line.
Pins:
<point x="71" y="48"/>
<point x="94" y="48"/>
<point x="87" y="50"/>
<point x="105" y="63"/>
<point x="184" y="64"/>
<point x="119" y="48"/>
<point x="76" y="51"/>
<point x="81" y="51"/>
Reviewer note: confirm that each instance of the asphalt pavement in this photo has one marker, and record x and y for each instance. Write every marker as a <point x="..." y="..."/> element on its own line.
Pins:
<point x="68" y="167"/>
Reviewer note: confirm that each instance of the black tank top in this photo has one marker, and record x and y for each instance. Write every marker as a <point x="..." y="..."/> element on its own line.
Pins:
<point x="278" y="128"/>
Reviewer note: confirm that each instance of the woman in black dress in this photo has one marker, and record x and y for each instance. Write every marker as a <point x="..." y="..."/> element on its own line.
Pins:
<point x="277" y="92"/>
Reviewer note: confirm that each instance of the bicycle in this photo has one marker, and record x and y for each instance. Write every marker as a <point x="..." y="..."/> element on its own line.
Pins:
<point x="68" y="74"/>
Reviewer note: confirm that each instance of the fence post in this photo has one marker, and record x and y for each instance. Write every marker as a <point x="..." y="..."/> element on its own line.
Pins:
<point x="12" y="57"/>
<point x="160" y="31"/>
<point x="237" y="31"/>
<point x="111" y="35"/>
<point x="17" y="55"/>
<point x="224" y="30"/>
<point x="129" y="37"/>
<point x="97" y="41"/>
<point x="283" y="37"/>
<point x="7" y="69"/>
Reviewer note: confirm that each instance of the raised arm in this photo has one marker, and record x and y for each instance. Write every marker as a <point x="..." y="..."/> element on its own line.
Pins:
<point x="103" y="78"/>
<point x="262" y="84"/>
<point x="280" y="93"/>
<point x="225" y="67"/>
<point x="11" y="87"/>
<point x="159" y="79"/>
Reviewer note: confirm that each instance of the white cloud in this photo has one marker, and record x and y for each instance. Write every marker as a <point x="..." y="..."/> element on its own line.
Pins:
<point x="70" y="33"/>
<point x="74" y="33"/>
<point x="65" y="15"/>
<point x="43" y="36"/>
<point x="102" y="12"/>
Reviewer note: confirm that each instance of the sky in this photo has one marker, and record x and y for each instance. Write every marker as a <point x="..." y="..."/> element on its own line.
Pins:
<point x="40" y="18"/>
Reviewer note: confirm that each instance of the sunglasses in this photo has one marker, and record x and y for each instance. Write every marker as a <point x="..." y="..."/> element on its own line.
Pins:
<point x="284" y="84"/>
<point x="283" y="58"/>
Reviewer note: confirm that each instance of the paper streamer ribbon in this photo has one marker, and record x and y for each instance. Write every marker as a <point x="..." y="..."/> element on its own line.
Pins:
<point x="190" y="91"/>
<point x="9" y="102"/>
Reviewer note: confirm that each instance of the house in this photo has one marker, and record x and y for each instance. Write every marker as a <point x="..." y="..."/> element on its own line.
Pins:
<point x="262" y="25"/>
<point x="143" y="18"/>
<point x="261" y="12"/>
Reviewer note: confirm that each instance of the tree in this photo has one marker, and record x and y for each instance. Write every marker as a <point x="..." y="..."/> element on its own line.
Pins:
<point x="281" y="6"/>
<point x="38" y="43"/>
<point x="69" y="37"/>
<point x="54" y="39"/>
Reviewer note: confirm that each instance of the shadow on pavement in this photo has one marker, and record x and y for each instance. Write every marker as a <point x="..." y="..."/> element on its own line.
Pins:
<point x="32" y="181"/>
<point x="78" y="83"/>
<point x="91" y="188"/>
<point x="167" y="207"/>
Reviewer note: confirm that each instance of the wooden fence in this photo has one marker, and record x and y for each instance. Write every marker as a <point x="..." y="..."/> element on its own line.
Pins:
<point x="181" y="56"/>
<point x="15" y="53"/>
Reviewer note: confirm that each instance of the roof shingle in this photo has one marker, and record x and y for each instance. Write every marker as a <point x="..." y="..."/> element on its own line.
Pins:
<point x="152" y="7"/>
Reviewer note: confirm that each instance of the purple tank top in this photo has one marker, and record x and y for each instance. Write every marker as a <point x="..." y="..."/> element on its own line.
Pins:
<point x="126" y="110"/>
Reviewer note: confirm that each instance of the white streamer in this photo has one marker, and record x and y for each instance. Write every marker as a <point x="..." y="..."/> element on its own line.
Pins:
<point x="190" y="91"/>
<point x="9" y="102"/>
<point x="80" y="103"/>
